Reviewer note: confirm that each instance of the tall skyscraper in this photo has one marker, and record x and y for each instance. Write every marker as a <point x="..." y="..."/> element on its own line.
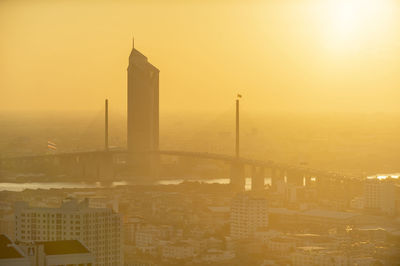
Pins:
<point x="143" y="114"/>
<point x="97" y="228"/>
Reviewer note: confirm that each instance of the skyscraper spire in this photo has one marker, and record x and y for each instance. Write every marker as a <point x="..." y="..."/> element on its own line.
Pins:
<point x="133" y="42"/>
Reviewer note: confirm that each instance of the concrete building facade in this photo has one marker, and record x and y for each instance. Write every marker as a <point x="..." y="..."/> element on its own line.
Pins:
<point x="98" y="228"/>
<point x="143" y="114"/>
<point x="380" y="195"/>
<point x="248" y="214"/>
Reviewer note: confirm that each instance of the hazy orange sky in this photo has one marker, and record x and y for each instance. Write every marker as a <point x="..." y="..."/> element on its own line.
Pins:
<point x="281" y="55"/>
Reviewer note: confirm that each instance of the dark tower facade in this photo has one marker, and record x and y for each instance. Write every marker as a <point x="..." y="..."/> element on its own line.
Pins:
<point x="143" y="115"/>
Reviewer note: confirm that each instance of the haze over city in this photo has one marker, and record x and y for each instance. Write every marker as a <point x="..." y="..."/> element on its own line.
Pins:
<point x="199" y="133"/>
<point x="284" y="56"/>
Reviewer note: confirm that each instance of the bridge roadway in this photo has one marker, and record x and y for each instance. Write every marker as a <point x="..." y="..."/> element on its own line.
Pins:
<point x="200" y="155"/>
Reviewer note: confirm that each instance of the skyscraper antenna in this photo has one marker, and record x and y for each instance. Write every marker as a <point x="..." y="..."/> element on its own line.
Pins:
<point x="133" y="42"/>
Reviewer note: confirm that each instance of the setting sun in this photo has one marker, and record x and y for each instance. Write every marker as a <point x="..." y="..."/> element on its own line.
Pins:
<point x="351" y="23"/>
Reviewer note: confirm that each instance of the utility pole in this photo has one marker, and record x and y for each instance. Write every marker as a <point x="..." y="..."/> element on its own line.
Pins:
<point x="106" y="126"/>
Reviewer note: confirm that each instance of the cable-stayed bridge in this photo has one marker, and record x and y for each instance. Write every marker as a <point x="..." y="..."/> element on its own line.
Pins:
<point x="103" y="165"/>
<point x="141" y="158"/>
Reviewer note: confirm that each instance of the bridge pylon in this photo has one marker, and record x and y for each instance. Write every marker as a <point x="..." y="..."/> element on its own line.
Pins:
<point x="278" y="179"/>
<point x="295" y="177"/>
<point x="257" y="178"/>
<point x="238" y="180"/>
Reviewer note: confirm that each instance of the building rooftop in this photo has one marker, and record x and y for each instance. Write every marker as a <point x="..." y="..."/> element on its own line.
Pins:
<point x="282" y="211"/>
<point x="62" y="247"/>
<point x="4" y="240"/>
<point x="6" y="250"/>
<point x="315" y="213"/>
<point x="311" y="248"/>
<point x="283" y="239"/>
<point x="219" y="209"/>
<point x="141" y="59"/>
<point x="329" y="214"/>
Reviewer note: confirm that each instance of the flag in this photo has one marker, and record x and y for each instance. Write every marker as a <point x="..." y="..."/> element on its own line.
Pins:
<point x="51" y="145"/>
<point x="239" y="95"/>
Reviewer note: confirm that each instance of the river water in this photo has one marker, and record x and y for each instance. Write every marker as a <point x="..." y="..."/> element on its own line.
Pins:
<point x="49" y="185"/>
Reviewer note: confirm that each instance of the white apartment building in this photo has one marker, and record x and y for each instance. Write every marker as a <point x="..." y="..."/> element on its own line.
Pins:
<point x="7" y="225"/>
<point x="379" y="195"/>
<point x="248" y="214"/>
<point x="99" y="229"/>
<point x="146" y="236"/>
<point x="179" y="251"/>
<point x="216" y="255"/>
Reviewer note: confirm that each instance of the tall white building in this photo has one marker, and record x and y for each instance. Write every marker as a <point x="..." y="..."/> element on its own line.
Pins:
<point x="98" y="228"/>
<point x="248" y="214"/>
<point x="380" y="195"/>
<point x="7" y="225"/>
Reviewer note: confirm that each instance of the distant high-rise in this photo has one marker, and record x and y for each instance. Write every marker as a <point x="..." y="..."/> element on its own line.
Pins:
<point x="143" y="113"/>
<point x="248" y="214"/>
<point x="380" y="195"/>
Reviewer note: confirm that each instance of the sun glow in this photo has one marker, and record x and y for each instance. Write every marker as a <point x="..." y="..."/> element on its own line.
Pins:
<point x="351" y="23"/>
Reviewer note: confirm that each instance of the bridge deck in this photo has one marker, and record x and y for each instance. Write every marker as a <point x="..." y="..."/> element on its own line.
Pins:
<point x="200" y="155"/>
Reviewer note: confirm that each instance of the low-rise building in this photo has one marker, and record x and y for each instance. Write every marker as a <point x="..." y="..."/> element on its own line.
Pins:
<point x="178" y="251"/>
<point x="217" y="255"/>
<point x="46" y="253"/>
<point x="305" y="256"/>
<point x="327" y="217"/>
<point x="281" y="245"/>
<point x="62" y="252"/>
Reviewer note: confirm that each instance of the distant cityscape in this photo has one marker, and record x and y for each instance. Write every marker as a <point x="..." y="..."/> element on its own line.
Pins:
<point x="302" y="216"/>
<point x="195" y="224"/>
